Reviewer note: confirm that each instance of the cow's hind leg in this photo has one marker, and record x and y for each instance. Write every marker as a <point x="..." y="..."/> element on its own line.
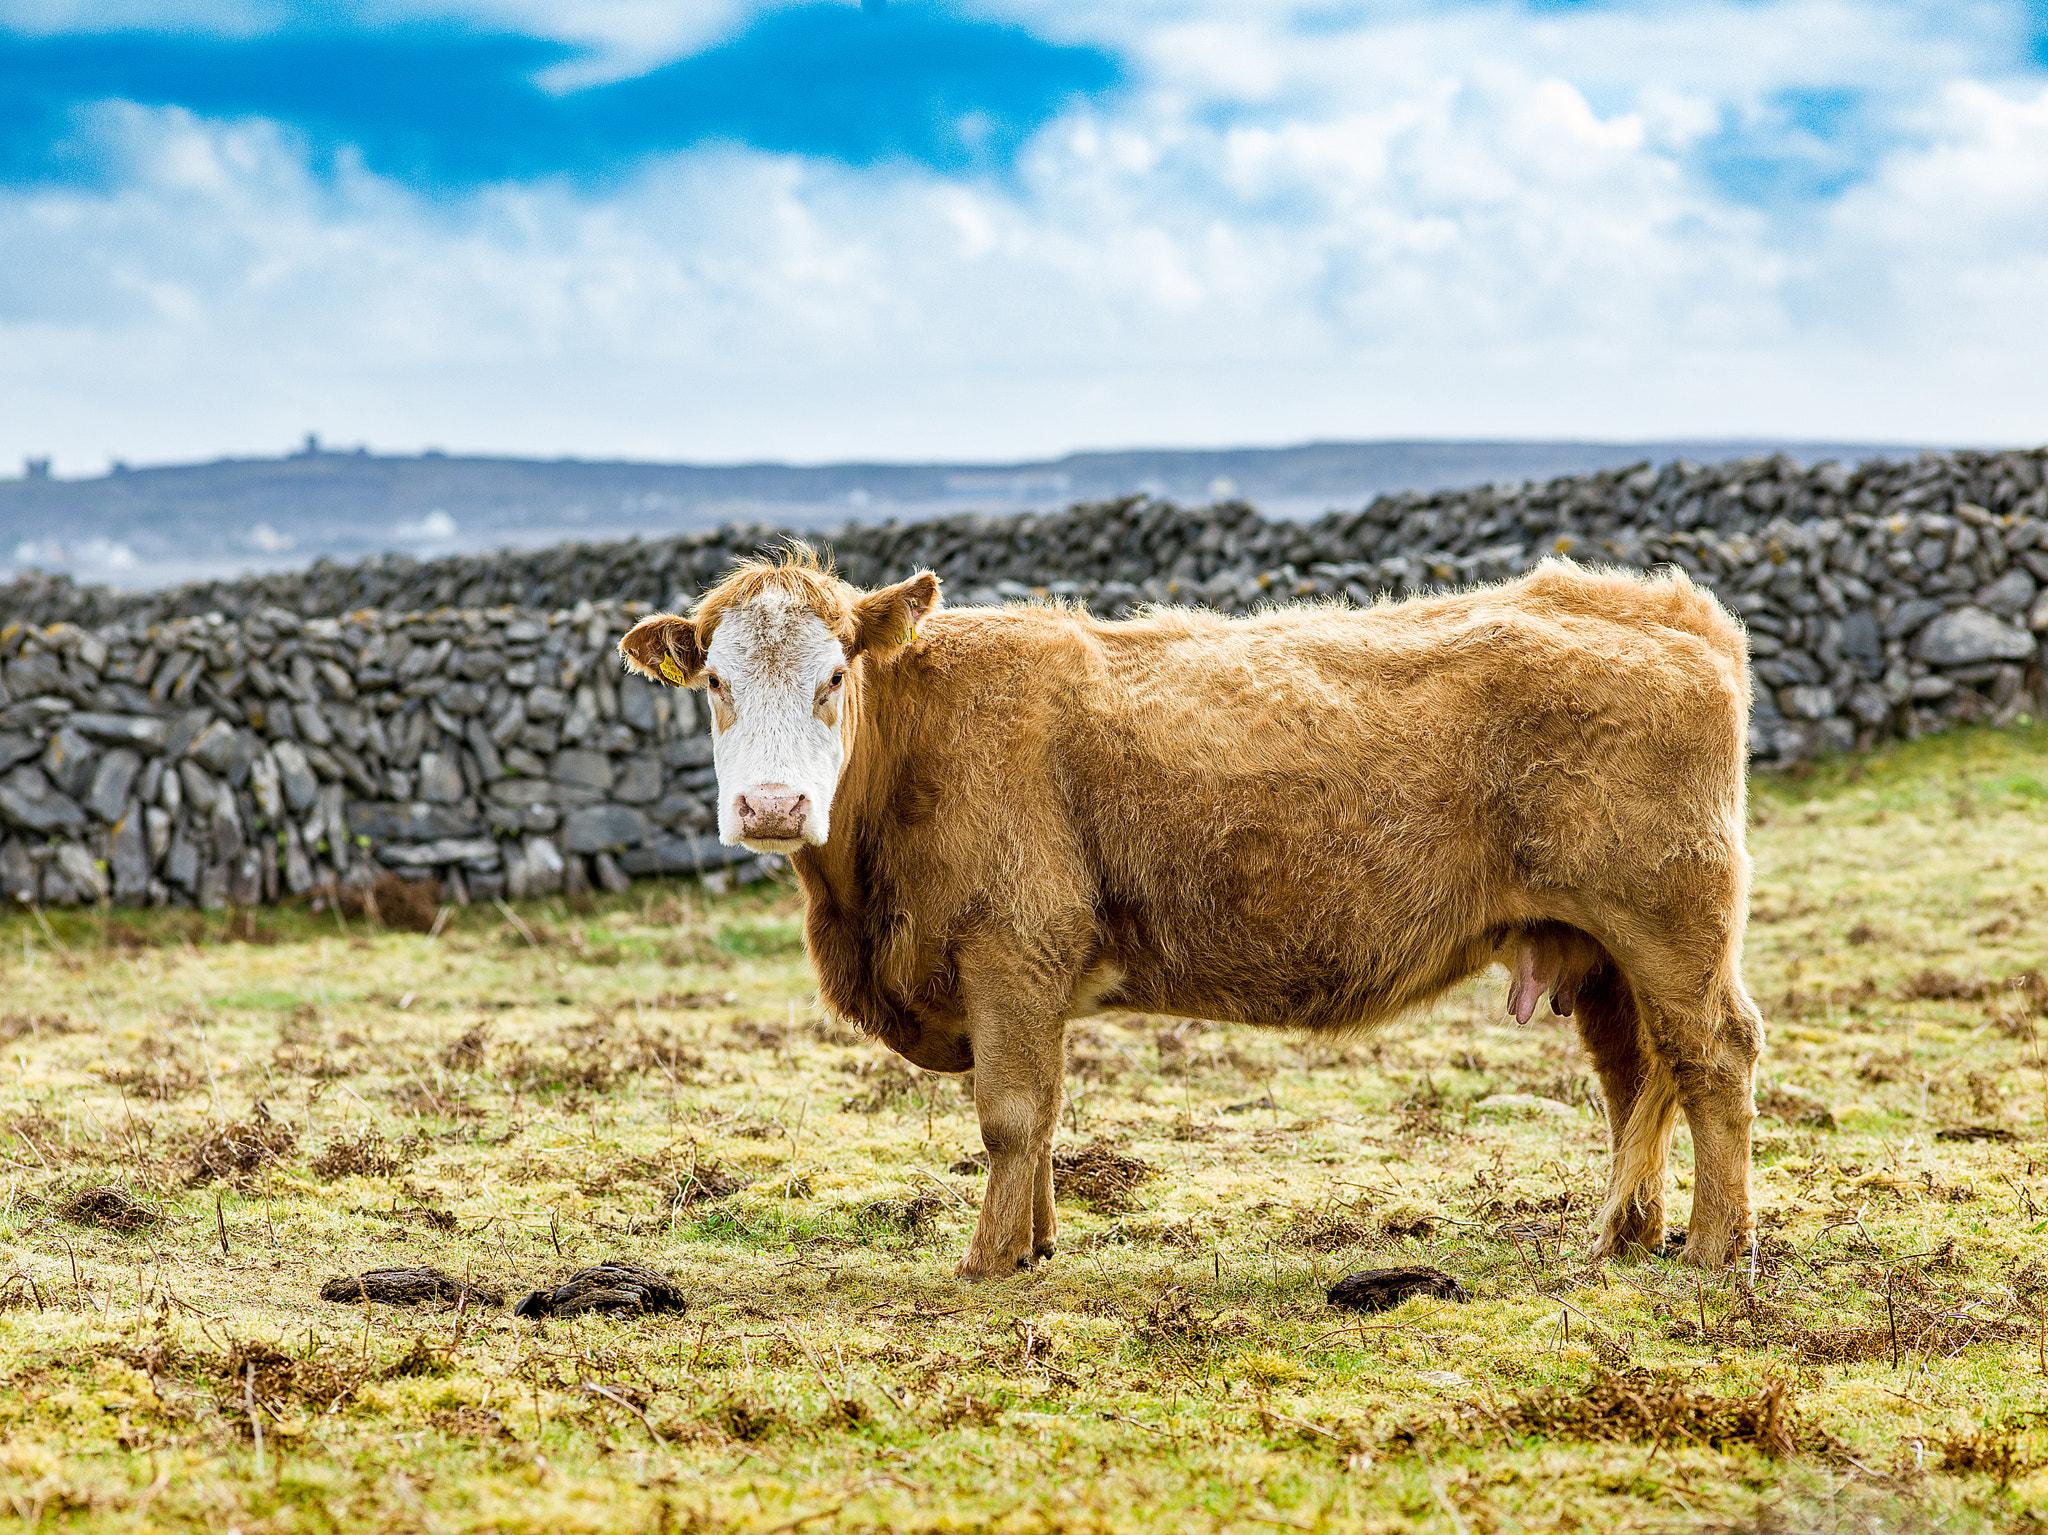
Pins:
<point x="1632" y="1218"/>
<point x="1702" y="1035"/>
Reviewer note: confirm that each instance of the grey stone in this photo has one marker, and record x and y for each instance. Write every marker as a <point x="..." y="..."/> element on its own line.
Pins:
<point x="158" y="822"/>
<point x="545" y="703"/>
<point x="485" y="750"/>
<point x="19" y="748"/>
<point x="682" y="855"/>
<point x="295" y="776"/>
<point x="140" y="730"/>
<point x="610" y="877"/>
<point x="213" y="888"/>
<point x="68" y="760"/>
<point x="541" y="868"/>
<point x="87" y="878"/>
<point x="636" y="704"/>
<point x="28" y="800"/>
<point x="199" y="786"/>
<point x="1806" y="702"/>
<point x="687" y="752"/>
<point x="2010" y="595"/>
<point x="1909" y="615"/>
<point x="476" y="850"/>
<point x="440" y="778"/>
<point x="604" y="829"/>
<point x="128" y="853"/>
<point x="539" y="791"/>
<point x="266" y="787"/>
<point x="1971" y="635"/>
<point x="111" y="782"/>
<point x="582" y="769"/>
<point x="218" y="749"/>
<point x="384" y="821"/>
<point x="313" y="724"/>
<point x="463" y="699"/>
<point x="17" y="872"/>
<point x="181" y="863"/>
<point x="639" y="782"/>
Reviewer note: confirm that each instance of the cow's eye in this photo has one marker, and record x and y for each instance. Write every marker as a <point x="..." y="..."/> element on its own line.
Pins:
<point x="711" y="682"/>
<point x="838" y="677"/>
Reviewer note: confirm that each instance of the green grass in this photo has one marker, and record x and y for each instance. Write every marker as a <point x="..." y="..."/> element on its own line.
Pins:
<point x="1176" y="1368"/>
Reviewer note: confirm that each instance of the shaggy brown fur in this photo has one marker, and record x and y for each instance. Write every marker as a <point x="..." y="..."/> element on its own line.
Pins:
<point x="1315" y="818"/>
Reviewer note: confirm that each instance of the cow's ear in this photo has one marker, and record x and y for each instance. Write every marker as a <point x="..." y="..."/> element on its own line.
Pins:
<point x="887" y="619"/>
<point x="665" y="648"/>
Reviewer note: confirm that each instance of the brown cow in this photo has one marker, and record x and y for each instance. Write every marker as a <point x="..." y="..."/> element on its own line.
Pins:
<point x="1314" y="818"/>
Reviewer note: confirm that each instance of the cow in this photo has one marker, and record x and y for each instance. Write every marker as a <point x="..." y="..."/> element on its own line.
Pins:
<point x="1315" y="817"/>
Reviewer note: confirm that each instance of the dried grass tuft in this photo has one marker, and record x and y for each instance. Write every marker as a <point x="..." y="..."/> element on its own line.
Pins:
<point x="1100" y="1176"/>
<point x="113" y="1208"/>
<point x="238" y="1150"/>
<point x="1616" y="1407"/>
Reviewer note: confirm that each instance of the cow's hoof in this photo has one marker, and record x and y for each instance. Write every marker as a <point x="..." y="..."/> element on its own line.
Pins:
<point x="972" y="1268"/>
<point x="1044" y="1252"/>
<point x="1631" y="1245"/>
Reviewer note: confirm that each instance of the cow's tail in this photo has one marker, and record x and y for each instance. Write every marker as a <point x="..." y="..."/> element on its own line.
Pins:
<point x="1637" y="1181"/>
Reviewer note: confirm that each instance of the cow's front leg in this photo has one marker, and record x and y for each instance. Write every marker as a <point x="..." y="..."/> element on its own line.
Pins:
<point x="1019" y="1066"/>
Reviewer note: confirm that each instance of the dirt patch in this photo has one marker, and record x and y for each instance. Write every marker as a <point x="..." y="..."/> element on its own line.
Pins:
<point x="606" y="1287"/>
<point x="366" y="1155"/>
<point x="468" y="1052"/>
<point x="408" y="1287"/>
<point x="271" y="1376"/>
<point x="410" y="906"/>
<point x="1940" y="986"/>
<point x="1615" y="1407"/>
<point x="1988" y="1452"/>
<point x="1100" y="1176"/>
<point x="32" y="1026"/>
<point x="113" y="1208"/>
<point x="1384" y="1289"/>
<point x="238" y="1150"/>
<point x="1794" y="1106"/>
<point x="1975" y="1133"/>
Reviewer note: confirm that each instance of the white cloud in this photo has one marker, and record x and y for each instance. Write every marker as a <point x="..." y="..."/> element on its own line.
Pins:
<point x="1472" y="223"/>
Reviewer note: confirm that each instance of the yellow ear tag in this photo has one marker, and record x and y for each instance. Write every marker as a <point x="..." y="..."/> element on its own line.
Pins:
<point x="674" y="673"/>
<point x="913" y="634"/>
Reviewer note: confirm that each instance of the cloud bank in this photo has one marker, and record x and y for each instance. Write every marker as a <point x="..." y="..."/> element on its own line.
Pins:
<point x="827" y="230"/>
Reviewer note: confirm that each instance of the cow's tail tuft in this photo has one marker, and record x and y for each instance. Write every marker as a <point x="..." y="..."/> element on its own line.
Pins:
<point x="1639" y="1158"/>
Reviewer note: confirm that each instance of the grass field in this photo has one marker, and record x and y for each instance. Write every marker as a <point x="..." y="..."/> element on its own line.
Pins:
<point x="283" y="1098"/>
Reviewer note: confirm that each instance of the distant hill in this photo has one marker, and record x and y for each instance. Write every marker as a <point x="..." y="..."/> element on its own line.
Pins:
<point x="174" y="523"/>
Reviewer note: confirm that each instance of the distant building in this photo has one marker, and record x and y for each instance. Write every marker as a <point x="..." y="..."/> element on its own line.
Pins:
<point x="35" y="469"/>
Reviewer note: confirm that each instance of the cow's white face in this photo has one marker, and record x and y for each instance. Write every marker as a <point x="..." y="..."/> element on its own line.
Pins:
<point x="776" y="677"/>
<point x="775" y="646"/>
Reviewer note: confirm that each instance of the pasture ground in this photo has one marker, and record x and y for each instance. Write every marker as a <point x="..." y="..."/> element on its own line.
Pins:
<point x="281" y="1098"/>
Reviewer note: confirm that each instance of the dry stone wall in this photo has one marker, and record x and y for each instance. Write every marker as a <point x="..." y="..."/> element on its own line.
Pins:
<point x="209" y="763"/>
<point x="470" y="720"/>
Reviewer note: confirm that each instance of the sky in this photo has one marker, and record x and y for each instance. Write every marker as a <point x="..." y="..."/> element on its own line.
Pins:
<point x="881" y="229"/>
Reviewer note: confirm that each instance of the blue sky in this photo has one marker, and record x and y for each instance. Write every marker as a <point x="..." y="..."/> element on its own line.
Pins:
<point x="830" y="228"/>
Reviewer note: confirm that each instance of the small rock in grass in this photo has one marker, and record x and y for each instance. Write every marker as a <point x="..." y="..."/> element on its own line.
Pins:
<point x="605" y="1287"/>
<point x="1384" y="1289"/>
<point x="408" y="1287"/>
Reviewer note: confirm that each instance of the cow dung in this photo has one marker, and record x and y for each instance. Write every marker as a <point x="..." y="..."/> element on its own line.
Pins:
<point x="605" y="1287"/>
<point x="408" y="1287"/>
<point x="1384" y="1289"/>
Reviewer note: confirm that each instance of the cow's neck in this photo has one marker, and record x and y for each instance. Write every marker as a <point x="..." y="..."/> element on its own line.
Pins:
<point x="844" y="917"/>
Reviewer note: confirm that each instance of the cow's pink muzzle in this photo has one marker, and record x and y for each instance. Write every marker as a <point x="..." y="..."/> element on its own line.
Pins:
<point x="772" y="812"/>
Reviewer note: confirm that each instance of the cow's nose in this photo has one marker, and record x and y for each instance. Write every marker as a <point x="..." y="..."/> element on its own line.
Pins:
<point x="772" y="812"/>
